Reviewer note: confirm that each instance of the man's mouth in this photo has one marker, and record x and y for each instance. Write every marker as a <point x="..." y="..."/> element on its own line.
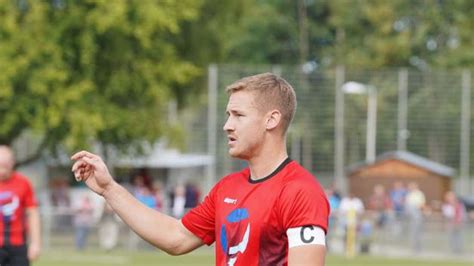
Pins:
<point x="231" y="139"/>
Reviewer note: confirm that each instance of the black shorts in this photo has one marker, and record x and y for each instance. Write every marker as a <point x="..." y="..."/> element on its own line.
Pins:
<point x="14" y="256"/>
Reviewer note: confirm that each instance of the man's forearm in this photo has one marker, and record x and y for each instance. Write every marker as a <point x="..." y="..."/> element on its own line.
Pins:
<point x="34" y="226"/>
<point x="34" y="233"/>
<point x="161" y="230"/>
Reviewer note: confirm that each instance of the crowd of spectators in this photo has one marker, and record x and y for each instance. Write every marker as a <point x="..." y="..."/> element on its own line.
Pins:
<point x="399" y="210"/>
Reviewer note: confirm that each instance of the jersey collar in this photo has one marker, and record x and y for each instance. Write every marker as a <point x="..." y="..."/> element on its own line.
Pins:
<point x="279" y="168"/>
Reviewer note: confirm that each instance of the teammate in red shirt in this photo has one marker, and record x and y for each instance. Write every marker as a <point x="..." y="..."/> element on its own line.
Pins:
<point x="19" y="216"/>
<point x="272" y="213"/>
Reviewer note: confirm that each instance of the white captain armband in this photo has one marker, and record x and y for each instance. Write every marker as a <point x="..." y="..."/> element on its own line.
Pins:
<point x="306" y="235"/>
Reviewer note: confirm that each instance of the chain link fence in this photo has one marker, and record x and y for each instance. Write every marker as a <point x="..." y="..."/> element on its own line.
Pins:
<point x="395" y="238"/>
<point x="427" y="113"/>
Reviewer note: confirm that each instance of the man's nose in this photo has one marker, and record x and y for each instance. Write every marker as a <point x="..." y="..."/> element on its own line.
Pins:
<point x="227" y="125"/>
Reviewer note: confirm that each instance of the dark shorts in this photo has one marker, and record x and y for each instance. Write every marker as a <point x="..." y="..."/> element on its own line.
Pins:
<point x="14" y="256"/>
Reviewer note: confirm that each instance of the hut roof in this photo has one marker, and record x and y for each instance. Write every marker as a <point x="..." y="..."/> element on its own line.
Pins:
<point x="410" y="158"/>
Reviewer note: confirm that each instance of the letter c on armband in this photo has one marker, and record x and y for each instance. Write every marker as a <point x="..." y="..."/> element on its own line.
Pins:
<point x="306" y="235"/>
<point x="303" y="239"/>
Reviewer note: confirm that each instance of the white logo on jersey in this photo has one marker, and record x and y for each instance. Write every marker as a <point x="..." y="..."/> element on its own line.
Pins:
<point x="239" y="247"/>
<point x="8" y="208"/>
<point x="230" y="201"/>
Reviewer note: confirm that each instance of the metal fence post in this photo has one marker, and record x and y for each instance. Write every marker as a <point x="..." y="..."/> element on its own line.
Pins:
<point x="339" y="173"/>
<point x="465" y="132"/>
<point x="212" y="125"/>
<point x="402" y="110"/>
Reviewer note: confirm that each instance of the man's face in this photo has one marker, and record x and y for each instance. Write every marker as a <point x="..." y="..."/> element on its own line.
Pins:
<point x="245" y="125"/>
<point x="6" y="164"/>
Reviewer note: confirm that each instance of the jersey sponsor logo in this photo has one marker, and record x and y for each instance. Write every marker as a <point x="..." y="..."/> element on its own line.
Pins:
<point x="9" y="202"/>
<point x="234" y="240"/>
<point x="230" y="201"/>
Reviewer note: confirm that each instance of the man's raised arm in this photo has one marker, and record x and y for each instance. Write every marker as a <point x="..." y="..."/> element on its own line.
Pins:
<point x="163" y="231"/>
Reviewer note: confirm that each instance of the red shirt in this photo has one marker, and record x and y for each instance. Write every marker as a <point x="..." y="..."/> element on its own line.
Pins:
<point x="248" y="219"/>
<point x="16" y="195"/>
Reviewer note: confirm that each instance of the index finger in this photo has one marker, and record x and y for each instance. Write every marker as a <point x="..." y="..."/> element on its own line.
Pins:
<point x="82" y="154"/>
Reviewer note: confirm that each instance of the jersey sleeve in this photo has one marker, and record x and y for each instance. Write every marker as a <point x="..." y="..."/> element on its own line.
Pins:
<point x="304" y="203"/>
<point x="29" y="197"/>
<point x="201" y="219"/>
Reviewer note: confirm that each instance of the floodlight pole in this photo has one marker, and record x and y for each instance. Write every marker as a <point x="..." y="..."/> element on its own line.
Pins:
<point x="371" y="124"/>
<point x="352" y="87"/>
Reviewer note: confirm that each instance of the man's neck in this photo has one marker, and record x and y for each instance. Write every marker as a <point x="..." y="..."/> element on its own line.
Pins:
<point x="262" y="166"/>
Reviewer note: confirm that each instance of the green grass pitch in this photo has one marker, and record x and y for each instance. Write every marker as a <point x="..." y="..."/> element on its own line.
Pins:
<point x="202" y="257"/>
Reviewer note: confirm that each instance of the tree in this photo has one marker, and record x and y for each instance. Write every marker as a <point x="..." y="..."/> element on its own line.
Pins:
<point x="422" y="34"/>
<point x="207" y="39"/>
<point x="76" y="72"/>
<point x="358" y="34"/>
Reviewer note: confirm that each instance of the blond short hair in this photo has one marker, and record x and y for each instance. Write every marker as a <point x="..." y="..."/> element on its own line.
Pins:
<point x="272" y="92"/>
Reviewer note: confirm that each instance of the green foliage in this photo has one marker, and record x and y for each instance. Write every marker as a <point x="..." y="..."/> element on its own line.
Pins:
<point x="74" y="72"/>
<point x="90" y="70"/>
<point x="359" y="34"/>
<point x="363" y="35"/>
<point x="207" y="39"/>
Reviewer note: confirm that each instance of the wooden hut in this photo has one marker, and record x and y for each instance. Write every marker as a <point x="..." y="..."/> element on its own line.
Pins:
<point x="433" y="178"/>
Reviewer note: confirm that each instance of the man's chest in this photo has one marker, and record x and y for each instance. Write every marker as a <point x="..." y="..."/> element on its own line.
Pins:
<point x="10" y="199"/>
<point x="245" y="218"/>
<point x="253" y="204"/>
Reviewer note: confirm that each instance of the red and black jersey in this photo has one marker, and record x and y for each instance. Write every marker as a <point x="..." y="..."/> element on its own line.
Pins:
<point x="248" y="219"/>
<point x="16" y="195"/>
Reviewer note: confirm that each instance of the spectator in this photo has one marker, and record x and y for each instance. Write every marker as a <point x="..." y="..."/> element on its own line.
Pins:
<point x="366" y="231"/>
<point x="61" y="202"/>
<point x="179" y="201"/>
<point x="144" y="193"/>
<point x="334" y="201"/>
<point x="83" y="221"/>
<point x="455" y="214"/>
<point x="192" y="196"/>
<point x="108" y="228"/>
<point x="159" y="197"/>
<point x="60" y="193"/>
<point x="381" y="204"/>
<point x="397" y="196"/>
<point x="350" y="210"/>
<point x="415" y="203"/>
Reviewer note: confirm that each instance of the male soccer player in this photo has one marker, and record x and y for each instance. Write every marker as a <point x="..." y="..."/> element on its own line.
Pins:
<point x="272" y="213"/>
<point x="19" y="216"/>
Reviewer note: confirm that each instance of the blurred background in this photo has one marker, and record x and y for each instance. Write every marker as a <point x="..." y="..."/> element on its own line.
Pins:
<point x="385" y="113"/>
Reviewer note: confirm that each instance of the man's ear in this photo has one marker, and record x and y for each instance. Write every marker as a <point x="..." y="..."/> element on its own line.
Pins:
<point x="273" y="119"/>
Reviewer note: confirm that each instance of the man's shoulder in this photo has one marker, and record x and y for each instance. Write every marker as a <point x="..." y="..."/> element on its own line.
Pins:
<point x="231" y="181"/>
<point x="20" y="178"/>
<point x="298" y="175"/>
<point x="239" y="175"/>
<point x="299" y="180"/>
